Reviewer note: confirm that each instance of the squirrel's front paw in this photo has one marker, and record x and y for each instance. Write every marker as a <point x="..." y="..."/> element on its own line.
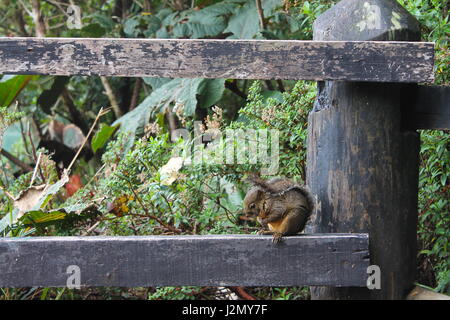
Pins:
<point x="277" y="238"/>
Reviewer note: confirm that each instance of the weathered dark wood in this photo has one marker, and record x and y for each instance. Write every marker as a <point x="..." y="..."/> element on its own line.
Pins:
<point x="222" y="260"/>
<point x="362" y="162"/>
<point x="431" y="108"/>
<point x="237" y="59"/>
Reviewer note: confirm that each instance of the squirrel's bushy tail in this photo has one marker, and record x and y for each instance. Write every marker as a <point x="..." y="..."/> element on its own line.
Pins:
<point x="266" y="187"/>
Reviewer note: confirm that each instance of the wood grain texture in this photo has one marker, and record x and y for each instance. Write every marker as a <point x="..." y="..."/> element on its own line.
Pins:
<point x="236" y="59"/>
<point x="363" y="167"/>
<point x="363" y="160"/>
<point x="431" y="108"/>
<point x="220" y="260"/>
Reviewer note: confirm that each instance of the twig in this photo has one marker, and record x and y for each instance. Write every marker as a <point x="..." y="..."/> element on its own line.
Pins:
<point x="171" y="121"/>
<point x="280" y="85"/>
<point x="100" y="114"/>
<point x="16" y="161"/>
<point x="260" y="14"/>
<point x="77" y="117"/>
<point x="95" y="175"/>
<point x="147" y="213"/>
<point x="91" y="228"/>
<point x="33" y="149"/>
<point x="37" y="18"/>
<point x="9" y="195"/>
<point x="21" y="23"/>
<point x="232" y="86"/>
<point x="24" y="138"/>
<point x="111" y="97"/>
<point x="135" y="95"/>
<point x="36" y="167"/>
<point x="263" y="27"/>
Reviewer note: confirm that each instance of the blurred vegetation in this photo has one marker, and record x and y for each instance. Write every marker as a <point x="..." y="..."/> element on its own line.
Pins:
<point x="129" y="179"/>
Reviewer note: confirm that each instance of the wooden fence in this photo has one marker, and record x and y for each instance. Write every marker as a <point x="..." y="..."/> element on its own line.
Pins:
<point x="362" y="158"/>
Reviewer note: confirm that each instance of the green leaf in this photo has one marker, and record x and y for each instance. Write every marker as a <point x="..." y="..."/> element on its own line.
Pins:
<point x="180" y="91"/>
<point x="11" y="86"/>
<point x="211" y="91"/>
<point x="199" y="24"/>
<point x="131" y="26"/>
<point x="93" y="30"/>
<point x="155" y="83"/>
<point x="443" y="180"/>
<point x="102" y="136"/>
<point x="276" y="95"/>
<point x="245" y="23"/>
<point x="51" y="191"/>
<point x="8" y="220"/>
<point x="73" y="213"/>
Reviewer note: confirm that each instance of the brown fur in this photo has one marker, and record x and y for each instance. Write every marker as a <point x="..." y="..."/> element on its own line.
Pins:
<point x="282" y="206"/>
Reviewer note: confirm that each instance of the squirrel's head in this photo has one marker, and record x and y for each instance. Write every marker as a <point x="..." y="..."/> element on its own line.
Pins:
<point x="252" y="201"/>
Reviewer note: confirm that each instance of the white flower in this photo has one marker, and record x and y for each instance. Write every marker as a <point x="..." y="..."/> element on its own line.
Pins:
<point x="170" y="171"/>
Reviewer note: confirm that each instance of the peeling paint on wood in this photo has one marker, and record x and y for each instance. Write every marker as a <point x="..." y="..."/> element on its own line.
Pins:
<point x="219" y="260"/>
<point x="237" y="59"/>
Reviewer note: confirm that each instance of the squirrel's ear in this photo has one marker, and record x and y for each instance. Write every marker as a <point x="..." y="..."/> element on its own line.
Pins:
<point x="251" y="177"/>
<point x="259" y="193"/>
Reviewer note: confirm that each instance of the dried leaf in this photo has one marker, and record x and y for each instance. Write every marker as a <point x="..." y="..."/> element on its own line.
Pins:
<point x="29" y="198"/>
<point x="36" y="197"/>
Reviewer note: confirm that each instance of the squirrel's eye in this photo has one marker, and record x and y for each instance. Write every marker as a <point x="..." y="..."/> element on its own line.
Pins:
<point x="252" y="206"/>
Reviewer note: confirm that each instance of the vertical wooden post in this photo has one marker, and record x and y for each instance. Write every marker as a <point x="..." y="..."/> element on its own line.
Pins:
<point x="362" y="160"/>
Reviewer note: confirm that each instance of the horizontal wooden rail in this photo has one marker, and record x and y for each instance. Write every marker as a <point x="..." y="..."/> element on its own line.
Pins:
<point x="236" y="59"/>
<point x="216" y="260"/>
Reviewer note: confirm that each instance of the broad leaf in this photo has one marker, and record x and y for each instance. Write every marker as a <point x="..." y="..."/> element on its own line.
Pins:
<point x="10" y="87"/>
<point x="155" y="83"/>
<point x="35" y="198"/>
<point x="211" y="92"/>
<point x="181" y="91"/>
<point x="102" y="136"/>
<point x="245" y="23"/>
<point x="70" y="213"/>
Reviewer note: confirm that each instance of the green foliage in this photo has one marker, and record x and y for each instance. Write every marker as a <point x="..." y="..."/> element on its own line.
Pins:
<point x="10" y="87"/>
<point x="434" y="192"/>
<point x="434" y="205"/>
<point x="102" y="136"/>
<point x="7" y="118"/>
<point x="173" y="293"/>
<point x="135" y="178"/>
<point x="287" y="113"/>
<point x="182" y="93"/>
<point x="434" y="18"/>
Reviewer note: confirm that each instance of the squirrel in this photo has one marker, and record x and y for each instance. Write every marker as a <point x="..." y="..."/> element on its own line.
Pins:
<point x="282" y="206"/>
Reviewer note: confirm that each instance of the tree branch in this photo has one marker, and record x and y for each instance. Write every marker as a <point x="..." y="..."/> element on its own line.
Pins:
<point x="37" y="18"/>
<point x="135" y="96"/>
<point x="260" y="14"/>
<point x="111" y="97"/>
<point x="16" y="161"/>
<point x="77" y="117"/>
<point x="232" y="86"/>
